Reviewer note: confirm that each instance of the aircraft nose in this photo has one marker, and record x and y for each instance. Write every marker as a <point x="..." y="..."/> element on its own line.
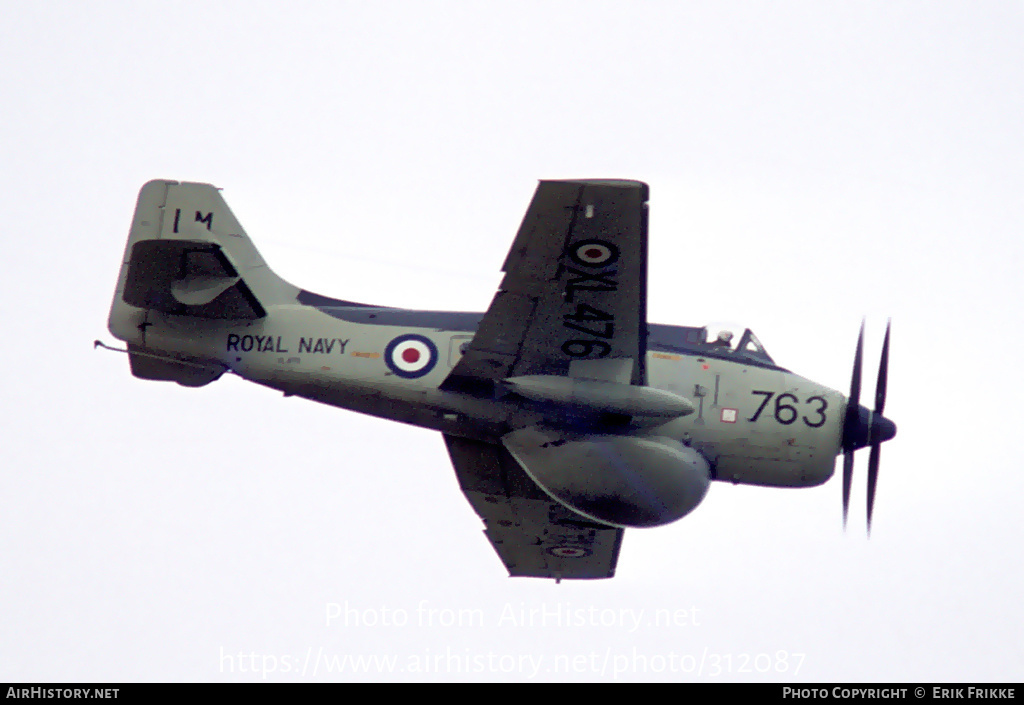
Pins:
<point x="869" y="426"/>
<point x="882" y="429"/>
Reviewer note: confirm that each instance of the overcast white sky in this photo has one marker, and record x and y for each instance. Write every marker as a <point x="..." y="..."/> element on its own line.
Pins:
<point x="810" y="163"/>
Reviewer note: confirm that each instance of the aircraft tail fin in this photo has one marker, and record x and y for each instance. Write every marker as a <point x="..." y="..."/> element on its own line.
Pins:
<point x="187" y="260"/>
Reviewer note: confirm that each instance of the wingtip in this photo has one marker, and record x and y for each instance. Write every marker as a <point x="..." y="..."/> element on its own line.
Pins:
<point x="614" y="183"/>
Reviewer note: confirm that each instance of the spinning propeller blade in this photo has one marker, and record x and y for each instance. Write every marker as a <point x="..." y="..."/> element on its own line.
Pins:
<point x="850" y="424"/>
<point x="876" y="440"/>
<point x="862" y="427"/>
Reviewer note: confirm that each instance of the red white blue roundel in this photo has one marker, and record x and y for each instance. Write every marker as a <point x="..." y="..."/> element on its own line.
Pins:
<point x="410" y="356"/>
<point x="569" y="551"/>
<point x="594" y="252"/>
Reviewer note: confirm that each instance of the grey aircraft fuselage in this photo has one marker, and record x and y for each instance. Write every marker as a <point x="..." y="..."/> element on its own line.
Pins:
<point x="756" y="423"/>
<point x="567" y="416"/>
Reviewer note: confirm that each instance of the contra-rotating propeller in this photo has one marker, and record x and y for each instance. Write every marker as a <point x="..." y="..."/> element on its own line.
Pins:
<point x="862" y="427"/>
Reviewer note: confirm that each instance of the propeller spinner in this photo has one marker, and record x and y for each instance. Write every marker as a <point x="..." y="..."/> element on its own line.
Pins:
<point x="862" y="427"/>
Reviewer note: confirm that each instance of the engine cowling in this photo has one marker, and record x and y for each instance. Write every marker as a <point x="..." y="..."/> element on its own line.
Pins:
<point x="627" y="481"/>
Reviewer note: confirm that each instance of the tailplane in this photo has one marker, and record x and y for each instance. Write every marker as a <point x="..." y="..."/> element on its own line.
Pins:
<point x="188" y="266"/>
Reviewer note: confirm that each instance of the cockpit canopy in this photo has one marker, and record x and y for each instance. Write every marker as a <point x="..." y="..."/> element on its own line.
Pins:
<point x="716" y="340"/>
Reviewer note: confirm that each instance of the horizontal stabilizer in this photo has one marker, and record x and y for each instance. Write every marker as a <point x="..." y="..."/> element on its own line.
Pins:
<point x="188" y="373"/>
<point x="188" y="278"/>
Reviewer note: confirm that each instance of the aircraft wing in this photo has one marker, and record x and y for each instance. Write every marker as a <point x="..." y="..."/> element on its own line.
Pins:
<point x="534" y="535"/>
<point x="574" y="291"/>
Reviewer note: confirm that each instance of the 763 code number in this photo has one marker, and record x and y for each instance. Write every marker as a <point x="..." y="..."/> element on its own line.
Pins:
<point x="787" y="412"/>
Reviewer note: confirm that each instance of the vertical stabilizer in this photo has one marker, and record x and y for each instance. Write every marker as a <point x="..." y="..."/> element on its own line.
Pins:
<point x="188" y="269"/>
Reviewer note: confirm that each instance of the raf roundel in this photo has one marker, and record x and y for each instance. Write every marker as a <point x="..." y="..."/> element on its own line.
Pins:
<point x="594" y="253"/>
<point x="569" y="551"/>
<point x="411" y="356"/>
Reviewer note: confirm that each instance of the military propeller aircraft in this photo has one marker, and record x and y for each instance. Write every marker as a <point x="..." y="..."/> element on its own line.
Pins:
<point x="567" y="416"/>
